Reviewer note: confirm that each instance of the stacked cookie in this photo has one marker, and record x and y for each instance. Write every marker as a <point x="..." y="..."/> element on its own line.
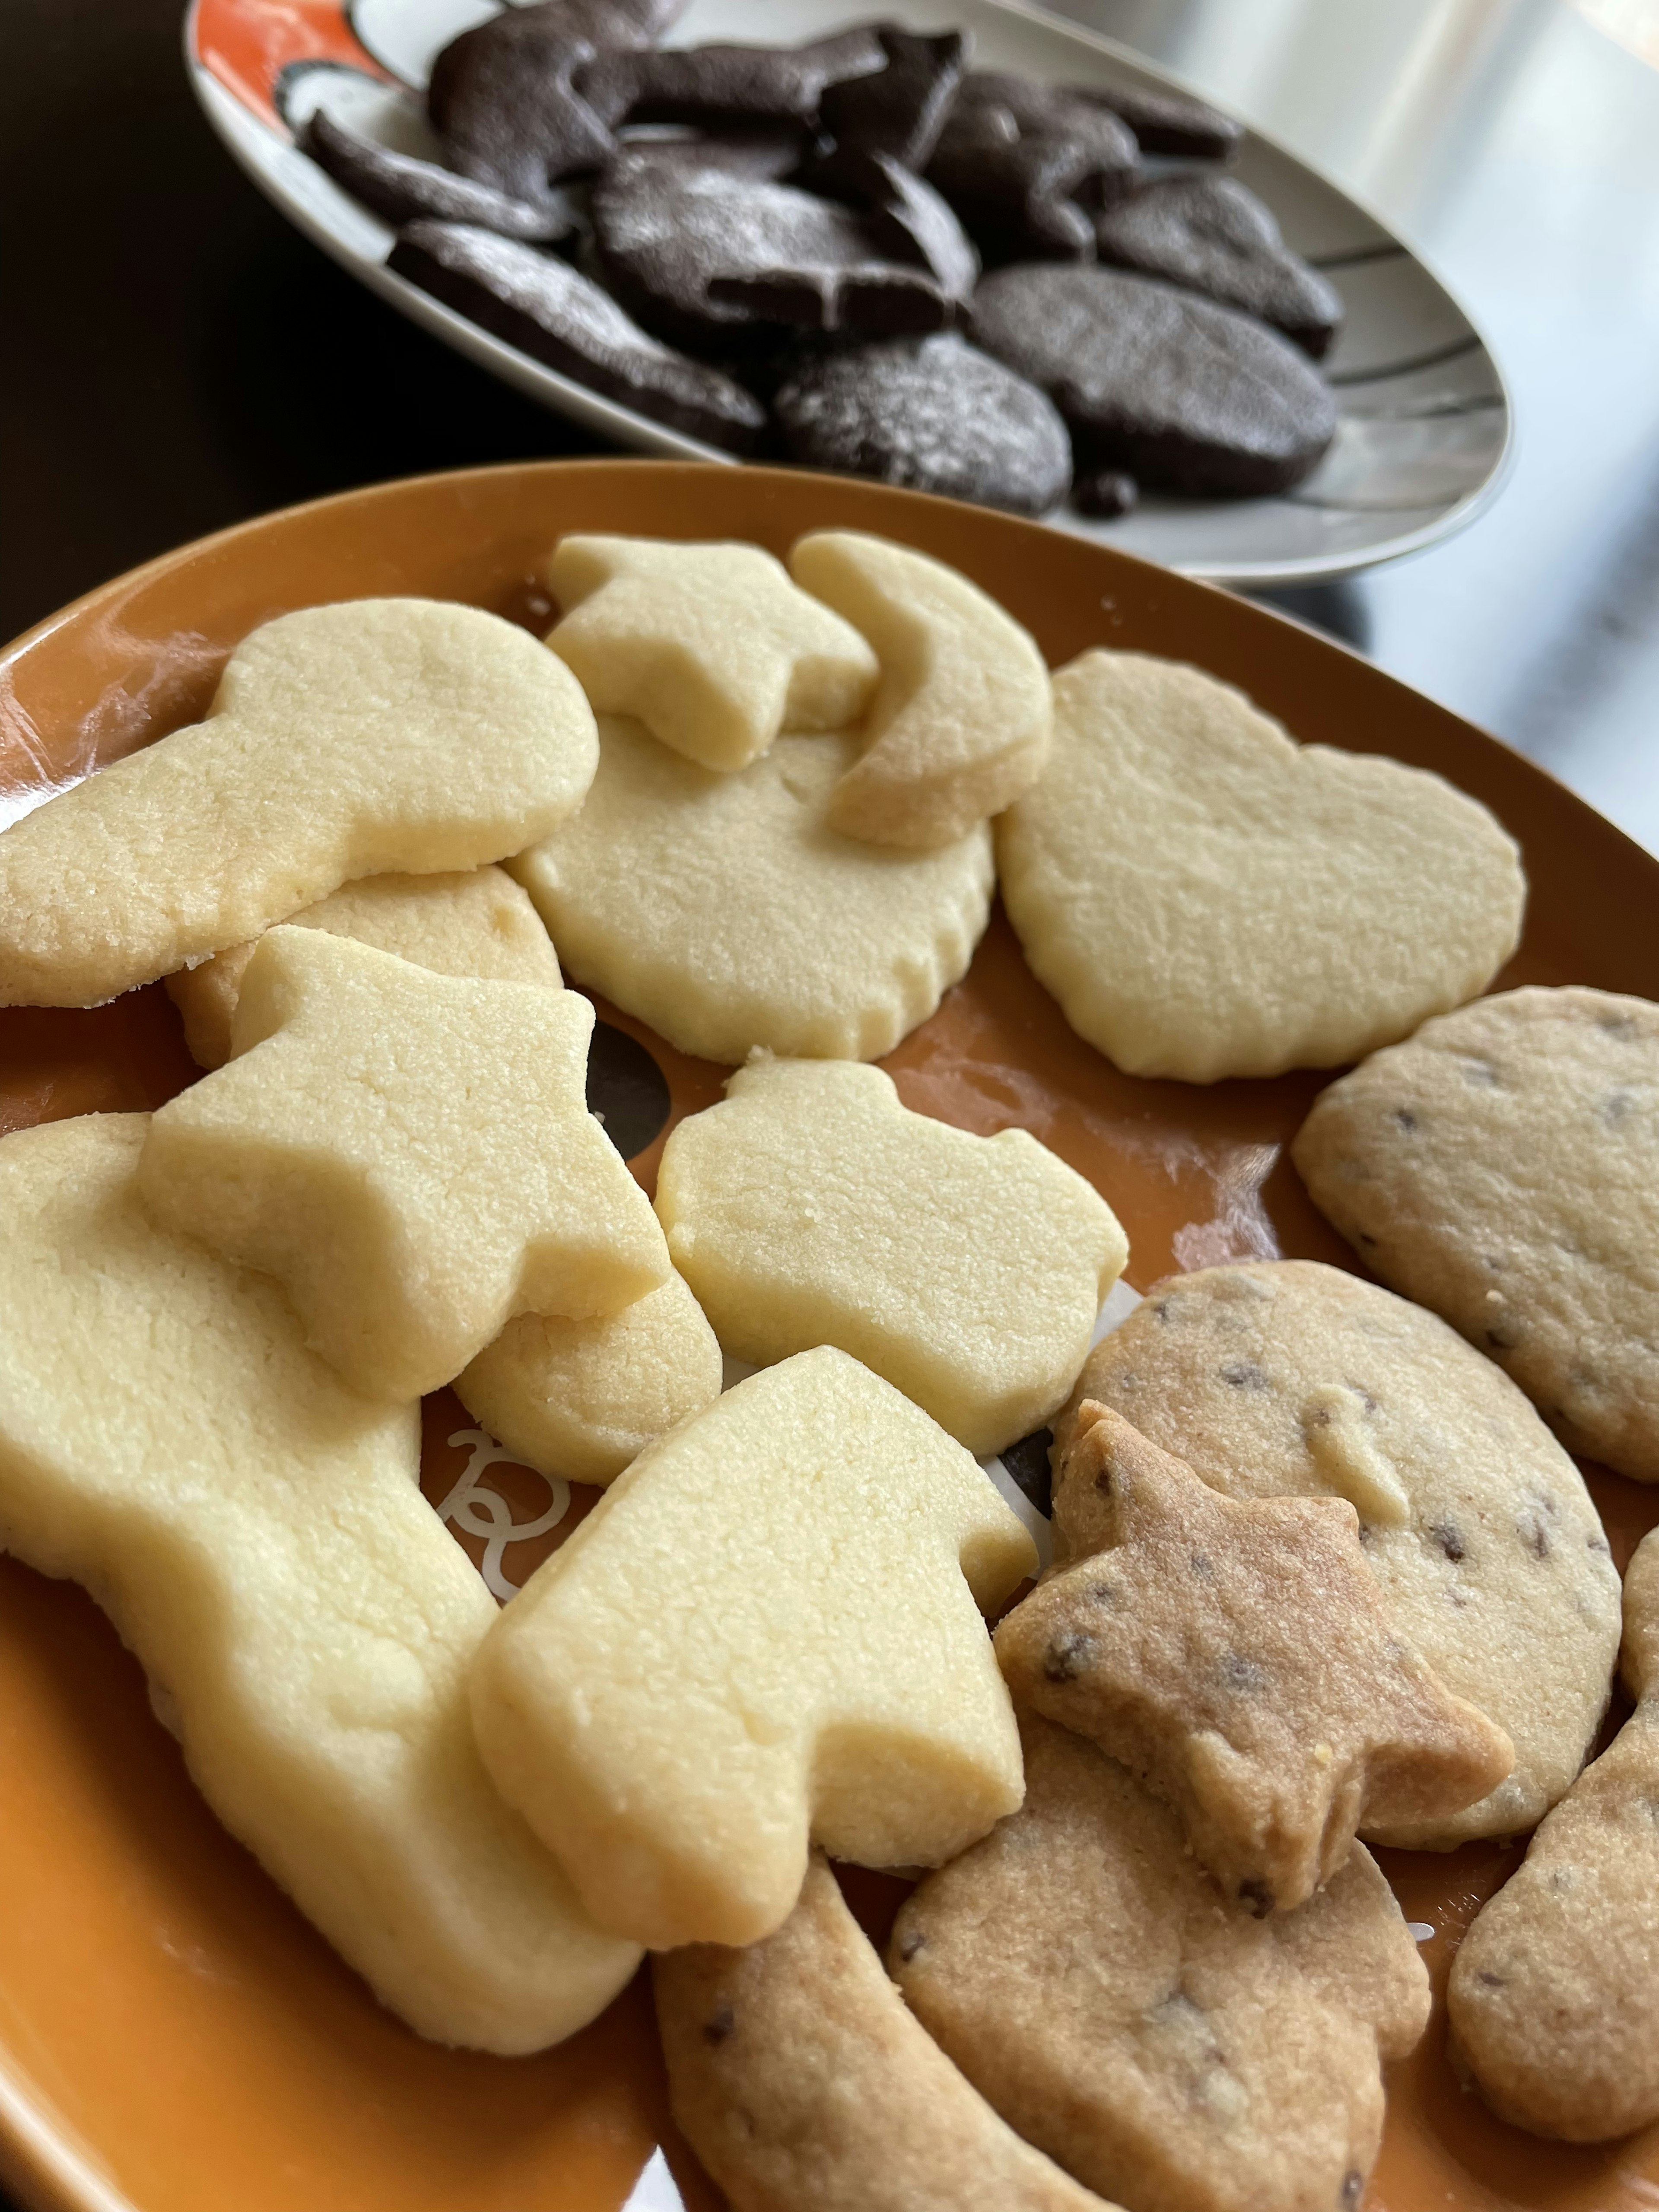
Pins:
<point x="1323" y="1574"/>
<point x="865" y="254"/>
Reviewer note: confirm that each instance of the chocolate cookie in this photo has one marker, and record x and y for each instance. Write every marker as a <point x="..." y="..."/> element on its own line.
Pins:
<point x="934" y="414"/>
<point x="501" y="95"/>
<point x="1168" y="122"/>
<point x="400" y="187"/>
<point x="900" y="109"/>
<point x="1020" y="162"/>
<point x="913" y="221"/>
<point x="1210" y="235"/>
<point x="550" y="311"/>
<point x="1177" y="389"/>
<point x="723" y="84"/>
<point x="707" y="255"/>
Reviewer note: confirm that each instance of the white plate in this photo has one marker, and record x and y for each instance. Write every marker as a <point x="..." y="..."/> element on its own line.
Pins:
<point x="1424" y="429"/>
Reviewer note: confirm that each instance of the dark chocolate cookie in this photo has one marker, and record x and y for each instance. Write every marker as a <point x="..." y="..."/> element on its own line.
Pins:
<point x="900" y="109"/>
<point x="400" y="187"/>
<point x="501" y="98"/>
<point x="1170" y="122"/>
<point x="725" y="84"/>
<point x="1176" y="390"/>
<point x="934" y="414"/>
<point x="708" y="256"/>
<point x="1210" y="234"/>
<point x="914" y="222"/>
<point x="548" y="310"/>
<point x="1021" y="164"/>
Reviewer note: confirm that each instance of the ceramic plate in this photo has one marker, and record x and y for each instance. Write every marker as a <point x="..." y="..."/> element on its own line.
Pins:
<point x="172" y="2037"/>
<point x="1425" y="426"/>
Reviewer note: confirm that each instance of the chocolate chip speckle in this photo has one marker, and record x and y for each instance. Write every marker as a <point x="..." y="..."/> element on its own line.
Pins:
<point x="910" y="1942"/>
<point x="719" y="2025"/>
<point x="1068" y="1657"/>
<point x="1353" y="2189"/>
<point x="1449" y="1537"/>
<point x="1240" y="1674"/>
<point x="1404" y="1119"/>
<point x="1479" y="1074"/>
<point x="1243" y="1375"/>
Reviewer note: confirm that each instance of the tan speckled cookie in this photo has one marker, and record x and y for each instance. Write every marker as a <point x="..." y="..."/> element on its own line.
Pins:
<point x="1236" y="1655"/>
<point x="1285" y="1378"/>
<point x="478" y="923"/>
<point x="804" y="2085"/>
<point x="1163" y="2046"/>
<point x="1555" y="1995"/>
<point x="1502" y="1167"/>
<point x="1206" y="897"/>
<point x="723" y="911"/>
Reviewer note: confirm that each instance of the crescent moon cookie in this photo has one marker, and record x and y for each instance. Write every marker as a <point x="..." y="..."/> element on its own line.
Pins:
<point x="960" y="726"/>
<point x="724" y="910"/>
<point x="582" y="1399"/>
<point x="711" y="646"/>
<point x="1236" y="1655"/>
<point x="1284" y="1378"/>
<point x="803" y="2084"/>
<point x="1555" y="1989"/>
<point x="331" y="752"/>
<point x="811" y="1207"/>
<point x="1502" y="1167"/>
<point x="1162" y="2044"/>
<point x="411" y="1154"/>
<point x="1207" y="899"/>
<point x="256" y="1534"/>
<point x="766" y="1631"/>
<point x="481" y="923"/>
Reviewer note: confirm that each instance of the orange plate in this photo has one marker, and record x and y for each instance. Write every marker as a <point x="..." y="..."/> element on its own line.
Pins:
<point x="172" y="2037"/>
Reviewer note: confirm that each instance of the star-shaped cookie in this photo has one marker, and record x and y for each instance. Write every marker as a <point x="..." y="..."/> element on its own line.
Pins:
<point x="409" y="1154"/>
<point x="1236" y="1655"/>
<point x="711" y="646"/>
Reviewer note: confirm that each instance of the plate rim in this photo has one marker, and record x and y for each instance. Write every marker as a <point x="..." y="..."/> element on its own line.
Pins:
<point x="595" y="411"/>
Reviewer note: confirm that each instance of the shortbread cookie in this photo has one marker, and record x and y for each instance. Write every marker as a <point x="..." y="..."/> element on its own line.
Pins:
<point x="582" y="1399"/>
<point x="1555" y="1989"/>
<point x="711" y="646"/>
<point x="1236" y="1655"/>
<point x="1206" y="897"/>
<point x="343" y="741"/>
<point x="811" y="1207"/>
<point x="257" y="1535"/>
<point x="1284" y="1378"/>
<point x="481" y="923"/>
<point x="803" y="2083"/>
<point x="1502" y="1167"/>
<point x="1165" y="2046"/>
<point x="723" y="911"/>
<point x="960" y="726"/>
<point x="411" y="1154"/>
<point x="764" y="1633"/>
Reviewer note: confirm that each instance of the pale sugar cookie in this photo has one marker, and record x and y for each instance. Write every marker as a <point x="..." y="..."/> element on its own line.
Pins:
<point x="811" y="1207"/>
<point x="1206" y="897"/>
<point x="1502" y="1167"/>
<point x="723" y="911"/>
<point x="581" y="1399"/>
<point x="411" y="1154"/>
<point x="256" y="1534"/>
<point x="481" y="923"/>
<point x="961" y="724"/>
<point x="361" y="739"/>
<point x="767" y="1631"/>
<point x="711" y="646"/>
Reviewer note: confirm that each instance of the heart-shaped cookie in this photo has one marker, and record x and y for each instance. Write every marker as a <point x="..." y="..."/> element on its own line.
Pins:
<point x="1206" y="897"/>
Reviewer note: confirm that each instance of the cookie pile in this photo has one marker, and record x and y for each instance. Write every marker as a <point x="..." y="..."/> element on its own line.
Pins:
<point x="1324" y="1575"/>
<point x="865" y="255"/>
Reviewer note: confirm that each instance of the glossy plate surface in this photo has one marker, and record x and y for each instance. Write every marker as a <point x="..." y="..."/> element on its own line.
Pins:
<point x="1425" y="428"/>
<point x="172" y="2037"/>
